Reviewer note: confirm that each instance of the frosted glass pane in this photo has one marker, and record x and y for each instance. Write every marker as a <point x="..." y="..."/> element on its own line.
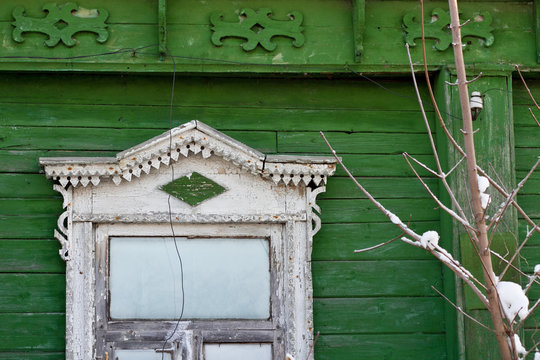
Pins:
<point x="237" y="351"/>
<point x="140" y="355"/>
<point x="223" y="278"/>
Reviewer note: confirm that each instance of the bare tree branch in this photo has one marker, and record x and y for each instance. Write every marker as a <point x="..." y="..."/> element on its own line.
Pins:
<point x="500" y="257"/>
<point x="451" y="212"/>
<point x="430" y="90"/>
<point x="457" y="268"/>
<point x="454" y="167"/>
<point x="531" y="311"/>
<point x="505" y="194"/>
<point x="421" y="164"/>
<point x="461" y="310"/>
<point x="494" y="306"/>
<point x="463" y="273"/>
<point x="392" y="217"/>
<point x="468" y="81"/>
<point x="431" y="140"/>
<point x="534" y="117"/>
<point x="518" y="250"/>
<point x="527" y="88"/>
<point x="499" y="214"/>
<point x="531" y="350"/>
<point x="379" y="245"/>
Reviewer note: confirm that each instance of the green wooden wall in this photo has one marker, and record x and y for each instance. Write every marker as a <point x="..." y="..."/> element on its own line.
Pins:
<point x="527" y="140"/>
<point x="376" y="305"/>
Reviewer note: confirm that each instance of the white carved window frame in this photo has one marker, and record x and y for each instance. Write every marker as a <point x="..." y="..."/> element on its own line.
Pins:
<point x="282" y="209"/>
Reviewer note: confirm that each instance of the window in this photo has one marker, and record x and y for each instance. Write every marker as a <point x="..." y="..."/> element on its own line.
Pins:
<point x="229" y="286"/>
<point x="242" y="223"/>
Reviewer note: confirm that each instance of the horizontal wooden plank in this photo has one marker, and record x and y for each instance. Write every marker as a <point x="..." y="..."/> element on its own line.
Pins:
<point x="354" y="143"/>
<point x="320" y="93"/>
<point x="32" y="332"/>
<point x="67" y="138"/>
<point x="360" y="210"/>
<point x="531" y="187"/>
<point x="27" y="227"/>
<point x="530" y="337"/>
<point x="531" y="257"/>
<point x="196" y="11"/>
<point x="381" y="165"/>
<point x="388" y="30"/>
<point x="379" y="315"/>
<point x="191" y="45"/>
<point x="519" y="93"/>
<point x="381" y="346"/>
<point x="331" y="39"/>
<point x="375" y="278"/>
<point x="32" y="355"/>
<point x="530" y="203"/>
<point x="223" y="118"/>
<point x="25" y="185"/>
<point x="386" y="15"/>
<point x="345" y="188"/>
<point x="15" y="207"/>
<point x="522" y="116"/>
<point x="524" y="227"/>
<point x="526" y="157"/>
<point x="30" y="256"/>
<point x="27" y="161"/>
<point x="528" y="137"/>
<point x="32" y="293"/>
<point x="338" y="242"/>
<point x="139" y="12"/>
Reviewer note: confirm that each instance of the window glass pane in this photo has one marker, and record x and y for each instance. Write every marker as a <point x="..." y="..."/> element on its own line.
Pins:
<point x="237" y="351"/>
<point x="140" y="355"/>
<point x="223" y="278"/>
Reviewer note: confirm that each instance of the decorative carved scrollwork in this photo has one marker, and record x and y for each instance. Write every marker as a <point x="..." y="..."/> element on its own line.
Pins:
<point x="64" y="222"/>
<point x="438" y="28"/>
<point x="61" y="23"/>
<point x="257" y="27"/>
<point x="189" y="140"/>
<point x="315" y="209"/>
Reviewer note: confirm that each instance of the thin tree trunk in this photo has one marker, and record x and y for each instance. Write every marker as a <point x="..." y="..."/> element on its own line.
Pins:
<point x="481" y="235"/>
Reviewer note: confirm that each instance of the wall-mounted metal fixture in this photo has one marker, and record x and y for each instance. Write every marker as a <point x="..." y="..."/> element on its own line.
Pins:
<point x="476" y="103"/>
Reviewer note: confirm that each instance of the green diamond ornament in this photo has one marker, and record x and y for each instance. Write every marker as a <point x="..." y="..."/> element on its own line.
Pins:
<point x="193" y="189"/>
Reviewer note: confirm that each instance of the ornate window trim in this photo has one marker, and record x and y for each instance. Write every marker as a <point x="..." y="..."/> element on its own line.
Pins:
<point x="284" y="188"/>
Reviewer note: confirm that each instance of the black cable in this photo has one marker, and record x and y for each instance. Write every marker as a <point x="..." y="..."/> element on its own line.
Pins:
<point x="136" y="51"/>
<point x="170" y="213"/>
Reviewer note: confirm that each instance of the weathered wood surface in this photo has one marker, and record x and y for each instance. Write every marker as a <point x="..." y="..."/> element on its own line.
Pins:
<point x="32" y="355"/>
<point x="329" y="31"/>
<point x="383" y="315"/>
<point x="377" y="346"/>
<point x="30" y="256"/>
<point x="338" y="242"/>
<point x="527" y="140"/>
<point x="32" y="332"/>
<point x="374" y="278"/>
<point x="101" y="115"/>
<point x="38" y="293"/>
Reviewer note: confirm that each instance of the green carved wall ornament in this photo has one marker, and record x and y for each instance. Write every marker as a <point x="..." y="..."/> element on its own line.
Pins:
<point x="193" y="188"/>
<point x="257" y="27"/>
<point x="437" y="27"/>
<point x="61" y="23"/>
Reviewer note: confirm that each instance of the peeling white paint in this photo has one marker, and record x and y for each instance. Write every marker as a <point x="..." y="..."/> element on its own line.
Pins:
<point x="86" y="13"/>
<point x="256" y="203"/>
